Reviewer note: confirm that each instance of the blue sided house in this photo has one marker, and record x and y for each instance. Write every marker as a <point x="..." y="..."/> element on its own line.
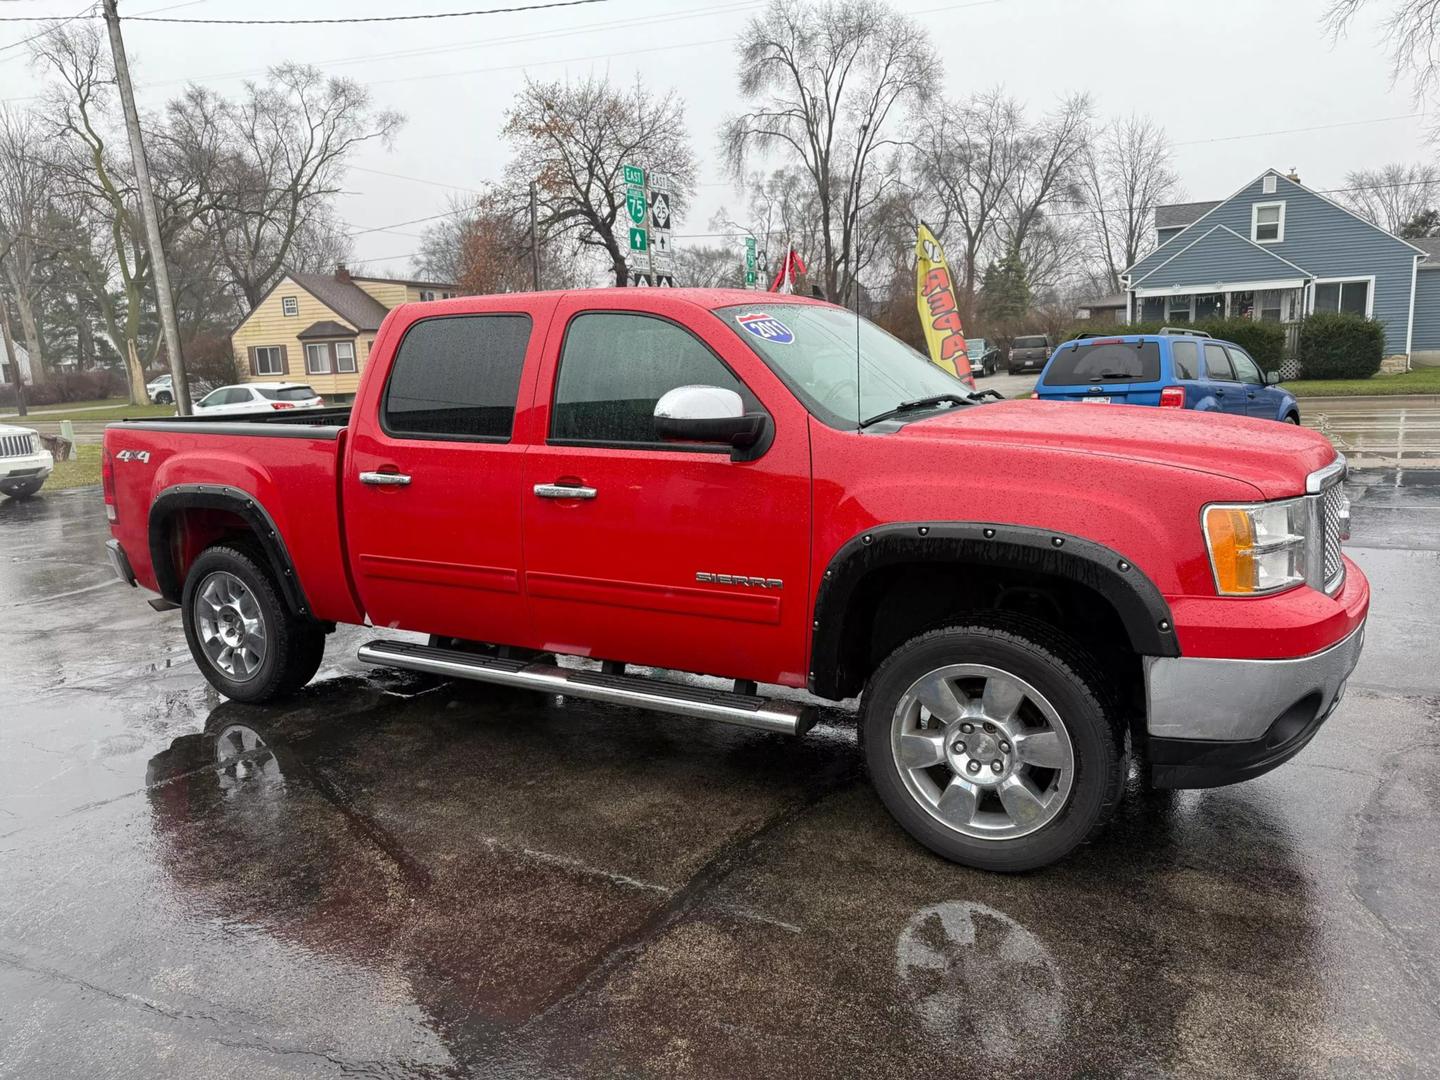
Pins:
<point x="1275" y="250"/>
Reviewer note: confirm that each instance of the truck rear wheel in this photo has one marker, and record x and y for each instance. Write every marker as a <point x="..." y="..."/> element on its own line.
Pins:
<point x="246" y="641"/>
<point x="994" y="743"/>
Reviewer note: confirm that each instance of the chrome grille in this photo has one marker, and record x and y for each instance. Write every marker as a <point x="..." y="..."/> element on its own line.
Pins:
<point x="1332" y="506"/>
<point x="16" y="446"/>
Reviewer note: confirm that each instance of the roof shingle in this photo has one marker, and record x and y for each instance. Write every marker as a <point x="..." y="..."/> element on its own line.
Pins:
<point x="349" y="301"/>
<point x="1178" y="215"/>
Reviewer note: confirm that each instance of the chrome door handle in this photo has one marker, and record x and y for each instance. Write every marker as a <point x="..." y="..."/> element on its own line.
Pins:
<point x="385" y="479"/>
<point x="563" y="491"/>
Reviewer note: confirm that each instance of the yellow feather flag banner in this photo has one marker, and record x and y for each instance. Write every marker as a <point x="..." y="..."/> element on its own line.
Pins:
<point x="935" y="296"/>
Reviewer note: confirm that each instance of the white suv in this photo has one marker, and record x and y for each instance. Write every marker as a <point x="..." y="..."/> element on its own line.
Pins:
<point x="24" y="463"/>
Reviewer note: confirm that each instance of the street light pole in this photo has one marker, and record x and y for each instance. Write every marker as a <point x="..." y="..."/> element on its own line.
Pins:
<point x="164" y="301"/>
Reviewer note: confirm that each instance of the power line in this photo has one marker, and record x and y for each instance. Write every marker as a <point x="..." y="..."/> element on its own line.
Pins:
<point x="321" y="22"/>
<point x="1295" y="130"/>
<point x="493" y="42"/>
<point x="370" y="18"/>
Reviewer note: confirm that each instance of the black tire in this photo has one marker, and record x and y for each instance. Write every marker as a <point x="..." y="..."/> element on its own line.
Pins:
<point x="1292" y="418"/>
<point x="1059" y="670"/>
<point x="295" y="645"/>
<point x="22" y="489"/>
<point x="164" y="398"/>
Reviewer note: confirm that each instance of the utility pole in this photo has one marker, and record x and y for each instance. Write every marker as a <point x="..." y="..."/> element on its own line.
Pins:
<point x="535" y="235"/>
<point x="163" y="298"/>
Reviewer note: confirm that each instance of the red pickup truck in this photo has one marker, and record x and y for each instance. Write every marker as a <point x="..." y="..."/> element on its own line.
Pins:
<point x="770" y="490"/>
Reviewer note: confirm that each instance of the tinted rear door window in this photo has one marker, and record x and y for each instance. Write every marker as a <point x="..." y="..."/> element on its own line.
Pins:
<point x="1030" y="343"/>
<point x="1111" y="363"/>
<point x="1217" y="363"/>
<point x="457" y="377"/>
<point x="613" y="369"/>
<point x="1186" y="355"/>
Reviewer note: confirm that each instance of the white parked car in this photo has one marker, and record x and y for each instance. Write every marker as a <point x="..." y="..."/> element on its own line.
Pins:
<point x="24" y="463"/>
<point x="257" y="397"/>
<point x="160" y="390"/>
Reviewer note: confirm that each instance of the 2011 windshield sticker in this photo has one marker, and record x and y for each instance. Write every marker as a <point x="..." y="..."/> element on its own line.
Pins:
<point x="765" y="327"/>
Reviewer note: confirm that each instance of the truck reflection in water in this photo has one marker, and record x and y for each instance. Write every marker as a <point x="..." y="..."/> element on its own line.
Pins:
<point x="430" y="840"/>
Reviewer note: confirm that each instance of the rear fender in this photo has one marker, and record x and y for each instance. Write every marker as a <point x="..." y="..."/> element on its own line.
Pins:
<point x="231" y="500"/>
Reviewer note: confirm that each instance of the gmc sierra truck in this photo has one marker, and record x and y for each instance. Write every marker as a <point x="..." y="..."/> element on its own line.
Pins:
<point x="559" y="488"/>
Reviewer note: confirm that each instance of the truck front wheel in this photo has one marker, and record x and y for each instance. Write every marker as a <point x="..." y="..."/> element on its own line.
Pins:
<point x="994" y="743"/>
<point x="247" y="642"/>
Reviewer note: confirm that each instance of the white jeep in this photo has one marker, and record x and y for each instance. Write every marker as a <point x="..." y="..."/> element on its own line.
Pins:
<point x="24" y="463"/>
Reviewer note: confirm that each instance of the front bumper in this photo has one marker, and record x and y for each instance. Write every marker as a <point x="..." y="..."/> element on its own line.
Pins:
<point x="1214" y="721"/>
<point x="29" y="467"/>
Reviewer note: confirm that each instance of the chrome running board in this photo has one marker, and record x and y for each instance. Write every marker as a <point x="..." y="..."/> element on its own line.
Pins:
<point x="746" y="710"/>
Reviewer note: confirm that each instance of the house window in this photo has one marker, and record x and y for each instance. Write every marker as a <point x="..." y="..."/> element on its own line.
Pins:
<point x="447" y="296"/>
<point x="317" y="359"/>
<point x="1347" y="296"/>
<point x="345" y="356"/>
<point x="269" y="361"/>
<point x="1267" y="223"/>
<point x="1268" y="184"/>
<point x="427" y="294"/>
<point x="1177" y="309"/>
<point x="290" y="305"/>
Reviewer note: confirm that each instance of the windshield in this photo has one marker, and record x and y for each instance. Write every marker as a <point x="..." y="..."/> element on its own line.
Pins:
<point x="813" y="350"/>
<point x="1104" y="361"/>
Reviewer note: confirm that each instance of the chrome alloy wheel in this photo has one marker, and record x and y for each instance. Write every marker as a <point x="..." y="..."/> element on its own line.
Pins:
<point x="982" y="751"/>
<point x="230" y="626"/>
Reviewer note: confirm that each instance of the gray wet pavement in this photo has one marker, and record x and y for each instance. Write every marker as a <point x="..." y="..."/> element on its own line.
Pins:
<point x="395" y="876"/>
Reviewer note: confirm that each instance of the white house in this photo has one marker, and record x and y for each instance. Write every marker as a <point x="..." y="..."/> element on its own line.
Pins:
<point x="22" y="358"/>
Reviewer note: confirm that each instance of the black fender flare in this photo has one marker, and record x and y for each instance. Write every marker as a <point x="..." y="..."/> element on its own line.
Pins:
<point x="220" y="497"/>
<point x="1136" y="599"/>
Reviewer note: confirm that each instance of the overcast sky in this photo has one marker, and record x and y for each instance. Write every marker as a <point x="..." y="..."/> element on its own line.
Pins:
<point x="1214" y="74"/>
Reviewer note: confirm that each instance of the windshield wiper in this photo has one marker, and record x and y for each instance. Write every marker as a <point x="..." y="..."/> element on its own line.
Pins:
<point x="919" y="403"/>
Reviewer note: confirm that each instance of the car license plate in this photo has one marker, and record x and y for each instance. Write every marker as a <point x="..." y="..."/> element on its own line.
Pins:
<point x="1096" y="400"/>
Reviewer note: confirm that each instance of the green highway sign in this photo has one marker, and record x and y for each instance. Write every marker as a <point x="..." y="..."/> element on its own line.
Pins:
<point x="635" y="205"/>
<point x="634" y="175"/>
<point x="749" y="277"/>
<point x="638" y="240"/>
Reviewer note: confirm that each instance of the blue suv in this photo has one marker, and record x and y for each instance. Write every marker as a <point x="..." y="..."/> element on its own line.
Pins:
<point x="1176" y="368"/>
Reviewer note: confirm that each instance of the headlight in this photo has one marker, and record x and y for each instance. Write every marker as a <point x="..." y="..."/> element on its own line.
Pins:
<point x="1258" y="548"/>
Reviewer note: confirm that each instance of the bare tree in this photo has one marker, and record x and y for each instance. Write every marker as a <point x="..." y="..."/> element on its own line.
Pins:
<point x="271" y="162"/>
<point x="829" y="82"/>
<point x="1412" y="32"/>
<point x="1392" y="195"/>
<point x="574" y="139"/>
<point x="97" y="190"/>
<point x="1048" y="176"/>
<point x="710" y="266"/>
<point x="27" y="188"/>
<point x="967" y="157"/>
<point x="1124" y="174"/>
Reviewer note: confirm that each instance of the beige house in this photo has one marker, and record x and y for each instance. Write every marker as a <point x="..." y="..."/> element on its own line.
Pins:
<point x="318" y="329"/>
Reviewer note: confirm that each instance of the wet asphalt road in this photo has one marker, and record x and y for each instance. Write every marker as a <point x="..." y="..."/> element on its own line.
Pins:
<point x="390" y="876"/>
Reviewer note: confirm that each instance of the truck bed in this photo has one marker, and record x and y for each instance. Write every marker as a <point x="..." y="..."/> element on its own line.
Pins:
<point x="287" y="463"/>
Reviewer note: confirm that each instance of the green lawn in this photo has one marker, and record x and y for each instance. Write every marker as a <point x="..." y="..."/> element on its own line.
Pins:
<point x="1419" y="381"/>
<point x="115" y="411"/>
<point x="81" y="470"/>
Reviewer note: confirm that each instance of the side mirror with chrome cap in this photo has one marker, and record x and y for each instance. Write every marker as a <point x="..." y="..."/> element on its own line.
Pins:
<point x="709" y="414"/>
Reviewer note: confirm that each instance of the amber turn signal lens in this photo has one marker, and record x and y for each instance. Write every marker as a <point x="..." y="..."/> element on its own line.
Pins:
<point x="1231" y="533"/>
